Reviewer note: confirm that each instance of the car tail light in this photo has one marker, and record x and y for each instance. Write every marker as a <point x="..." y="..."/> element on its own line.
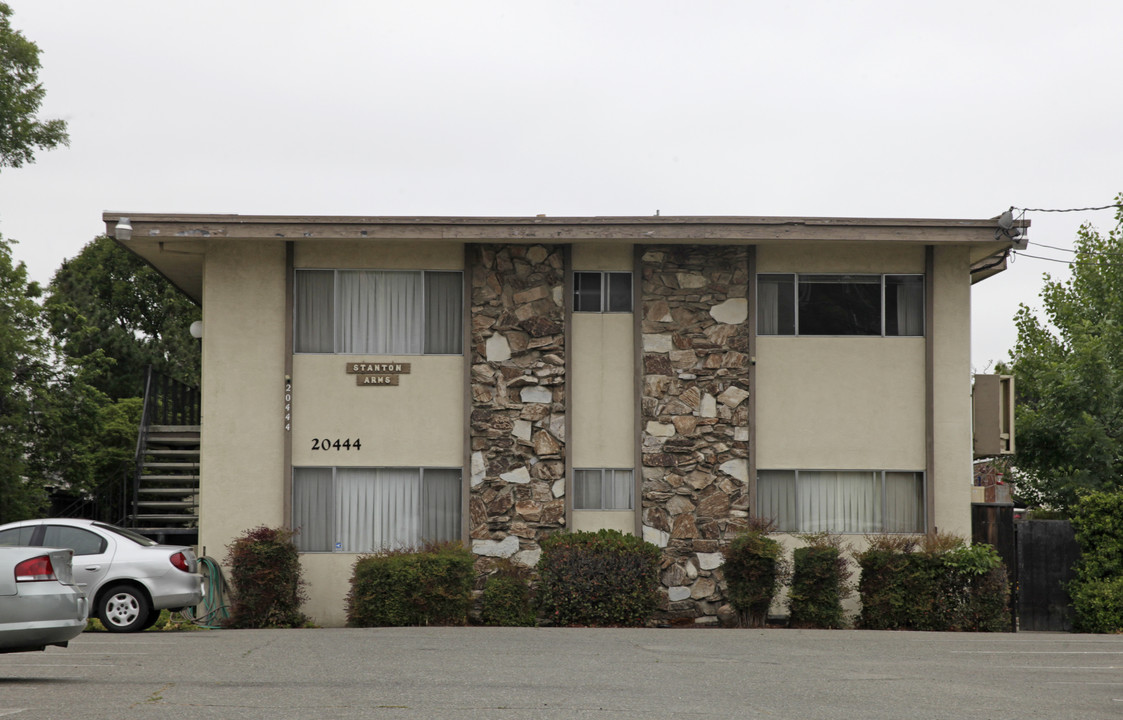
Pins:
<point x="180" y="561"/>
<point x="36" y="569"/>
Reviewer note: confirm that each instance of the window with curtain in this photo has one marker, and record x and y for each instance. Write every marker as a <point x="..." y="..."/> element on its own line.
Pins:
<point x="842" y="501"/>
<point x="603" y="292"/>
<point x="826" y="304"/>
<point x="359" y="510"/>
<point x="378" y="312"/>
<point x="602" y="489"/>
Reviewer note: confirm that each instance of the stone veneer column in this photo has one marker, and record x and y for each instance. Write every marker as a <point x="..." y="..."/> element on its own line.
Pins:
<point x="695" y="440"/>
<point x="517" y="487"/>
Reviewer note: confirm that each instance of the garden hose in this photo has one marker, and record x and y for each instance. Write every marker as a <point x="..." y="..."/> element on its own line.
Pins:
<point x="213" y="609"/>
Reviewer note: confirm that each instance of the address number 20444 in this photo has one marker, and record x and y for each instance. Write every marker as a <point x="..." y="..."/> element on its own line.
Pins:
<point x="336" y="444"/>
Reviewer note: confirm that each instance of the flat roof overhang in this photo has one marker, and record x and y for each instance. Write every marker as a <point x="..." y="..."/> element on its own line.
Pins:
<point x="174" y="244"/>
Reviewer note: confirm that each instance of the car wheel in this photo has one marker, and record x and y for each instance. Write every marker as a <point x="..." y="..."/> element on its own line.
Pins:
<point x="123" y="608"/>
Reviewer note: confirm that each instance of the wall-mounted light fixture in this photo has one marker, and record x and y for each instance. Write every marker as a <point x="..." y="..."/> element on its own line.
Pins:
<point x="196" y="330"/>
<point x="124" y="230"/>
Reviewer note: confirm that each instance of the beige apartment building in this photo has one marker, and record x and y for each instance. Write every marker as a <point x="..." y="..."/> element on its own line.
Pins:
<point x="379" y="381"/>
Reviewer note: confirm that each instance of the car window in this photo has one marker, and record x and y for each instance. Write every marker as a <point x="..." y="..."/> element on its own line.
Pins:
<point x="126" y="533"/>
<point x="16" y="537"/>
<point x="82" y="542"/>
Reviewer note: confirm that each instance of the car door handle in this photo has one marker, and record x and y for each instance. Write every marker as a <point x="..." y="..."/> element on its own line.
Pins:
<point x="93" y="568"/>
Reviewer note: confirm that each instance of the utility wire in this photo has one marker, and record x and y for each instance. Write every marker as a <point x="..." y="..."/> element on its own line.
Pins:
<point x="1018" y="253"/>
<point x="1079" y="252"/>
<point x="1087" y="209"/>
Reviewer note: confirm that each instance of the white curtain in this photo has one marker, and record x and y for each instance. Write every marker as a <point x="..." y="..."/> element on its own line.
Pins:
<point x="380" y="312"/>
<point x="602" y="489"/>
<point x="768" y="307"/>
<point x="909" y="290"/>
<point x="444" y="300"/>
<point x="588" y="489"/>
<point x="370" y="509"/>
<point x="440" y="502"/>
<point x="618" y="490"/>
<point x="314" y="323"/>
<point x="312" y="509"/>
<point x="776" y="498"/>
<point x="839" y="501"/>
<point x="377" y="508"/>
<point x="904" y="502"/>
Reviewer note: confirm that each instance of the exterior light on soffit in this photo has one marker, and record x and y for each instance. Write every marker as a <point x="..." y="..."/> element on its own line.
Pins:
<point x="123" y="231"/>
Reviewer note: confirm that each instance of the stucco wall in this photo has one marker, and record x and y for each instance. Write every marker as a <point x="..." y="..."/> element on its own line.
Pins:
<point x="840" y="403"/>
<point x="858" y="403"/>
<point x="952" y="391"/>
<point x="417" y="423"/>
<point x="242" y="458"/>
<point x="381" y="255"/>
<point x="602" y="395"/>
<point x="328" y="580"/>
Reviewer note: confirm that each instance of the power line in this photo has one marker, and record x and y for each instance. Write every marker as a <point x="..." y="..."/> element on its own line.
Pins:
<point x="1080" y="252"/>
<point x="1018" y="253"/>
<point x="1087" y="209"/>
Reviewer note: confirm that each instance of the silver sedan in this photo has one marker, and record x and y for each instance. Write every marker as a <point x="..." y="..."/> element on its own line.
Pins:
<point x="127" y="577"/>
<point x="39" y="602"/>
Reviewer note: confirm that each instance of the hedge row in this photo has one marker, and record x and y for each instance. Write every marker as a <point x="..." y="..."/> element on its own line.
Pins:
<point x="430" y="586"/>
<point x="940" y="584"/>
<point x="584" y="578"/>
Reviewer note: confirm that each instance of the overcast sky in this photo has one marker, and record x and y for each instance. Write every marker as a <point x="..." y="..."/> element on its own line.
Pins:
<point x="818" y="108"/>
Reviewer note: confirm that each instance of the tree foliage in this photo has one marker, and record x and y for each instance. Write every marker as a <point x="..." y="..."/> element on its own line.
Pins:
<point x="1069" y="378"/>
<point x="107" y="299"/>
<point x="21" y="94"/>
<point x="46" y="409"/>
<point x="1097" y="590"/>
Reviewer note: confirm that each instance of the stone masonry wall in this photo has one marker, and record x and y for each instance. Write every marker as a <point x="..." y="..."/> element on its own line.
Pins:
<point x="517" y="487"/>
<point x="695" y="417"/>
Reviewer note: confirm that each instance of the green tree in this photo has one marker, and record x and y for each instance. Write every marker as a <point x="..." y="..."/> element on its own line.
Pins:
<point x="21" y="94"/>
<point x="1069" y="378"/>
<point x="45" y="409"/>
<point x="107" y="299"/>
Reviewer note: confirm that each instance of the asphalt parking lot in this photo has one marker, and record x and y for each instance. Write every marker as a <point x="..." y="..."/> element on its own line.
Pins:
<point x="567" y="673"/>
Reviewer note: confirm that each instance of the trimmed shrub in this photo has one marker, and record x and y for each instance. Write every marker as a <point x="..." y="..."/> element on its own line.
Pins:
<point x="506" y="597"/>
<point x="1097" y="591"/>
<point x="598" y="578"/>
<point x="1098" y="605"/>
<point x="818" y="583"/>
<point x="427" y="586"/>
<point x="945" y="585"/>
<point x="266" y="586"/>
<point x="753" y="570"/>
<point x="886" y="597"/>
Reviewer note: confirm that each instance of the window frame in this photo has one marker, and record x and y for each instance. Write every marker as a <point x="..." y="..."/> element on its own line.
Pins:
<point x="605" y="492"/>
<point x="334" y="481"/>
<point x="604" y="296"/>
<point x="919" y="475"/>
<point x="883" y="281"/>
<point x="336" y="309"/>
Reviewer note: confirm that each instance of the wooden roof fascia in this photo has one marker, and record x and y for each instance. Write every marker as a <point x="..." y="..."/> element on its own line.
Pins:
<point x="654" y="230"/>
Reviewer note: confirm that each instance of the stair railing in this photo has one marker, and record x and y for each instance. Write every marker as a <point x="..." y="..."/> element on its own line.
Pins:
<point x="166" y="402"/>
